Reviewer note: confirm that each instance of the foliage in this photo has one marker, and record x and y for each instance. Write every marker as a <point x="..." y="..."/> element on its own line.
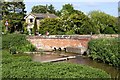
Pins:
<point x="25" y="28"/>
<point x="9" y="12"/>
<point x="16" y="42"/>
<point x="35" y="26"/>
<point x="39" y="9"/>
<point x="75" y="21"/>
<point x="50" y="24"/>
<point x="79" y="22"/>
<point x="104" y="22"/>
<point x="51" y="9"/>
<point x="15" y="66"/>
<point x="105" y="50"/>
<point x="43" y="9"/>
<point x="70" y="32"/>
<point x="68" y="23"/>
<point x="67" y="9"/>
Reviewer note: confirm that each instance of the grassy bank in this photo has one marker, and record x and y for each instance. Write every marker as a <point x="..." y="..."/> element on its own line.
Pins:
<point x="14" y="66"/>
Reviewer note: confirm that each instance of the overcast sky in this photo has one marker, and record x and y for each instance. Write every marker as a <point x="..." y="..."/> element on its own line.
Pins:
<point x="107" y="6"/>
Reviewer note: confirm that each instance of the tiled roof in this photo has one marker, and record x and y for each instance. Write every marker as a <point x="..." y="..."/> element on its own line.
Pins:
<point x="47" y="15"/>
<point x="42" y="15"/>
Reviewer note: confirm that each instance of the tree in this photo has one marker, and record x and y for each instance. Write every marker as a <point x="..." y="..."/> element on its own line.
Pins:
<point x="103" y="21"/>
<point x="76" y="21"/>
<point x="51" y="9"/>
<point x="39" y="9"/>
<point x="67" y="9"/>
<point x="43" y="9"/>
<point x="14" y="13"/>
<point x="52" y="25"/>
<point x="71" y="21"/>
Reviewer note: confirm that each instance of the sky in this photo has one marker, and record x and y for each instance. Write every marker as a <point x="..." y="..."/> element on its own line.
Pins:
<point x="119" y="7"/>
<point x="107" y="6"/>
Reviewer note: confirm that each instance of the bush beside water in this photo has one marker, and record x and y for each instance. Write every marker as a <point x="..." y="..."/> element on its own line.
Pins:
<point x="16" y="42"/>
<point x="105" y="50"/>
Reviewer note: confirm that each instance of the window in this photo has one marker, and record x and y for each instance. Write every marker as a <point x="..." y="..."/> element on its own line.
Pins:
<point x="31" y="20"/>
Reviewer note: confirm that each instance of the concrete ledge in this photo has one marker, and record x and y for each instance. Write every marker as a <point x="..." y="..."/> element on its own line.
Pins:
<point x="79" y="50"/>
<point x="59" y="59"/>
<point x="60" y="37"/>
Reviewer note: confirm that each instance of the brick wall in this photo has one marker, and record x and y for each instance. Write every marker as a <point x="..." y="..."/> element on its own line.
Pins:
<point x="51" y="43"/>
<point x="63" y="41"/>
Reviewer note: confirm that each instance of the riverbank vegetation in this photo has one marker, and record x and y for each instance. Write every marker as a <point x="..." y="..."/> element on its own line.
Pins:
<point x="22" y="66"/>
<point x="106" y="50"/>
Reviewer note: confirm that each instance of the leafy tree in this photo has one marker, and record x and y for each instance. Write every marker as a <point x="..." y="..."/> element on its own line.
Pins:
<point x="103" y="21"/>
<point x="51" y="9"/>
<point x="71" y="21"/>
<point x="43" y="9"/>
<point x="14" y="12"/>
<point x="39" y="9"/>
<point x="67" y="9"/>
<point x="58" y="13"/>
<point x="1" y="3"/>
<point x="78" y="22"/>
<point x="53" y="26"/>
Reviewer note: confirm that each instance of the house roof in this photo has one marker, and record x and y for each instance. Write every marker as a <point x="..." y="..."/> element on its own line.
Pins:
<point x="42" y="15"/>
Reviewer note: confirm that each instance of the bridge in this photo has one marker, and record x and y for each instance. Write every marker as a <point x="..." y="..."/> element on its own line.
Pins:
<point x="79" y="43"/>
<point x="69" y="43"/>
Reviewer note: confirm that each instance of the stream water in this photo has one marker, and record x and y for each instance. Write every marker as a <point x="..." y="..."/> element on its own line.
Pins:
<point x="114" y="72"/>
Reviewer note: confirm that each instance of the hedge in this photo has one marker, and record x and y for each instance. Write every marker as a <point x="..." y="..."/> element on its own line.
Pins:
<point x="105" y="50"/>
<point x="14" y="66"/>
<point x="16" y="42"/>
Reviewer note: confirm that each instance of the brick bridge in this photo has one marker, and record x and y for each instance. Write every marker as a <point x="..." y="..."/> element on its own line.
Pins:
<point x="60" y="42"/>
<point x="63" y="42"/>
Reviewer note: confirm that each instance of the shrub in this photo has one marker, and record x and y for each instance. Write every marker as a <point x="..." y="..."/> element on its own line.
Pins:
<point x="70" y="32"/>
<point x="105" y="50"/>
<point x="25" y="28"/>
<point x="16" y="42"/>
<point x="13" y="50"/>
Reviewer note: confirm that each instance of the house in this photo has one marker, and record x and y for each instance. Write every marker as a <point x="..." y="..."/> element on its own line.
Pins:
<point x="30" y="19"/>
